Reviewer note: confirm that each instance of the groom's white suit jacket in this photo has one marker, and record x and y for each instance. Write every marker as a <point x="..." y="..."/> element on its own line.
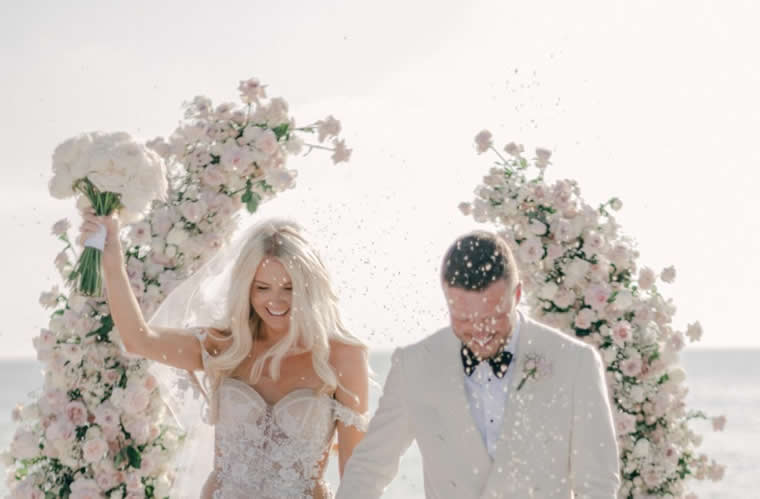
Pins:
<point x="557" y="439"/>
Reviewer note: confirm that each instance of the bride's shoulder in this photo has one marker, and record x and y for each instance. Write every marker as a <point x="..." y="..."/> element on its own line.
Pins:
<point x="345" y="356"/>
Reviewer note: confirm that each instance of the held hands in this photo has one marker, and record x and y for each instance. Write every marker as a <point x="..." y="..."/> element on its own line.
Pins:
<point x="91" y="223"/>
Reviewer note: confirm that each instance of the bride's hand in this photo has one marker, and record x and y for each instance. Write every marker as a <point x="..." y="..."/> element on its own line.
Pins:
<point x="112" y="252"/>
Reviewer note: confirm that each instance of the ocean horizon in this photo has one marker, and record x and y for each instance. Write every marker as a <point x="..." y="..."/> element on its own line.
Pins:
<point x="721" y="381"/>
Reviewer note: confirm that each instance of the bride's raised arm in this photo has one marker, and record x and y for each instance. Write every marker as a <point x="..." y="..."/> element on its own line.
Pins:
<point x="175" y="347"/>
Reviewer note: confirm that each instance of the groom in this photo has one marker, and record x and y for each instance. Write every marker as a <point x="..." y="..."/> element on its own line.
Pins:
<point x="500" y="406"/>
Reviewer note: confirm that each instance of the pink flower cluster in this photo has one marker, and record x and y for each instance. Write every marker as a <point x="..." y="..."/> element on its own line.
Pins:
<point x="100" y="419"/>
<point x="582" y="275"/>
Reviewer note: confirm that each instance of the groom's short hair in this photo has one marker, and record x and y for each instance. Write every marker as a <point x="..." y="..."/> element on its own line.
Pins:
<point x="478" y="259"/>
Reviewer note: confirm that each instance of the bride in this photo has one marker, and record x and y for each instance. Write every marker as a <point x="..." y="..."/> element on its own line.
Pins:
<point x="281" y="372"/>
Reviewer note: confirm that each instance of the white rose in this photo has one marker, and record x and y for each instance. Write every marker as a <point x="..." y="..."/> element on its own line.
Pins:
<point x="575" y="271"/>
<point x="637" y="394"/>
<point x="176" y="236"/>
<point x="294" y="145"/>
<point x="194" y="211"/>
<point x="641" y="449"/>
<point x="623" y="300"/>
<point x="609" y="355"/>
<point x="548" y="291"/>
<point x="170" y="251"/>
<point x="564" y="298"/>
<point x="537" y="227"/>
<point x="281" y="179"/>
<point x="677" y="376"/>
<point x="94" y="449"/>
<point x="25" y="444"/>
<point x="531" y="250"/>
<point x="266" y="142"/>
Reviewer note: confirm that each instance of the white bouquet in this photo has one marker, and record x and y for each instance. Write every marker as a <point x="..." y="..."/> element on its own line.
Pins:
<point x="113" y="172"/>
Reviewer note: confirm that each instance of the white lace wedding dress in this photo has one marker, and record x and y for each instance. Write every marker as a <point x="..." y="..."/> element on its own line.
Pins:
<point x="273" y="451"/>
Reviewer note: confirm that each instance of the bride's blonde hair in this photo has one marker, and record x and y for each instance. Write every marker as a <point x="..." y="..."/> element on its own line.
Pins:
<point x="314" y="316"/>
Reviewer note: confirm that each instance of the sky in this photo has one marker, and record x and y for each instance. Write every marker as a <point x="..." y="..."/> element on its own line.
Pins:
<point x="653" y="102"/>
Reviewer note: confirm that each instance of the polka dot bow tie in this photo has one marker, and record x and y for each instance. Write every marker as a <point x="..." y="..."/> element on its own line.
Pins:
<point x="499" y="362"/>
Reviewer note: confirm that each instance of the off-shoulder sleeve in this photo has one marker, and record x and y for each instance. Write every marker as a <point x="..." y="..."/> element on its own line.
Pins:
<point x="350" y="417"/>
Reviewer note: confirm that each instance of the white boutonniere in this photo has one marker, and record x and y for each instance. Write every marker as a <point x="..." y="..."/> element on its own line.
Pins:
<point x="534" y="366"/>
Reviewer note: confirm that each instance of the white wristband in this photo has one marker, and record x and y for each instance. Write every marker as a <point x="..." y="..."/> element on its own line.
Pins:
<point x="97" y="240"/>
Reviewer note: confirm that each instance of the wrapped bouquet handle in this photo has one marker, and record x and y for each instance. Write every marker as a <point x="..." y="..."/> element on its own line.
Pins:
<point x="98" y="239"/>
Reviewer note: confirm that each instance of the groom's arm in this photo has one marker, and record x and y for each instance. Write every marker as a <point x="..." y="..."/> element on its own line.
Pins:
<point x="375" y="460"/>
<point x="594" y="463"/>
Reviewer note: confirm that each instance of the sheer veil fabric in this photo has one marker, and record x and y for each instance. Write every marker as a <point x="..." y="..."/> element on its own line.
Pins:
<point x="200" y="301"/>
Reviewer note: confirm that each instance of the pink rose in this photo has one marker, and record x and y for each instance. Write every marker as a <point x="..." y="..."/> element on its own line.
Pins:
<point x="596" y="296"/>
<point x="141" y="233"/>
<point x="71" y="351"/>
<point x="694" y="331"/>
<point x="94" y="449"/>
<point x="61" y="429"/>
<point x="668" y="274"/>
<point x="625" y="423"/>
<point x="47" y="339"/>
<point x="139" y="429"/>
<point x="584" y="318"/>
<point x="82" y="488"/>
<point x="647" y="278"/>
<point x="111" y="376"/>
<point x="107" y="479"/>
<point x="564" y="298"/>
<point x="554" y="251"/>
<point x="76" y="412"/>
<point x="514" y="149"/>
<point x="341" y="153"/>
<point x="266" y="142"/>
<point x="531" y="250"/>
<point x="483" y="141"/>
<point x="329" y="127"/>
<point x="719" y="423"/>
<point x="621" y="333"/>
<point x="135" y="400"/>
<point x="134" y="484"/>
<point x="251" y="90"/>
<point x="676" y="341"/>
<point x="632" y="366"/>
<point x="25" y="444"/>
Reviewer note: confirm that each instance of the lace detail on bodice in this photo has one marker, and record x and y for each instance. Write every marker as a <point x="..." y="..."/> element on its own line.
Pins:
<point x="274" y="451"/>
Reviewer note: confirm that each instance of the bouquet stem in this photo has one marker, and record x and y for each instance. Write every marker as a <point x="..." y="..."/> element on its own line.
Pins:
<point x="86" y="275"/>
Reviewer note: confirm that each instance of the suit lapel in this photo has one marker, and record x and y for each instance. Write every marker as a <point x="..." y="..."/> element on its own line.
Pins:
<point x="460" y="425"/>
